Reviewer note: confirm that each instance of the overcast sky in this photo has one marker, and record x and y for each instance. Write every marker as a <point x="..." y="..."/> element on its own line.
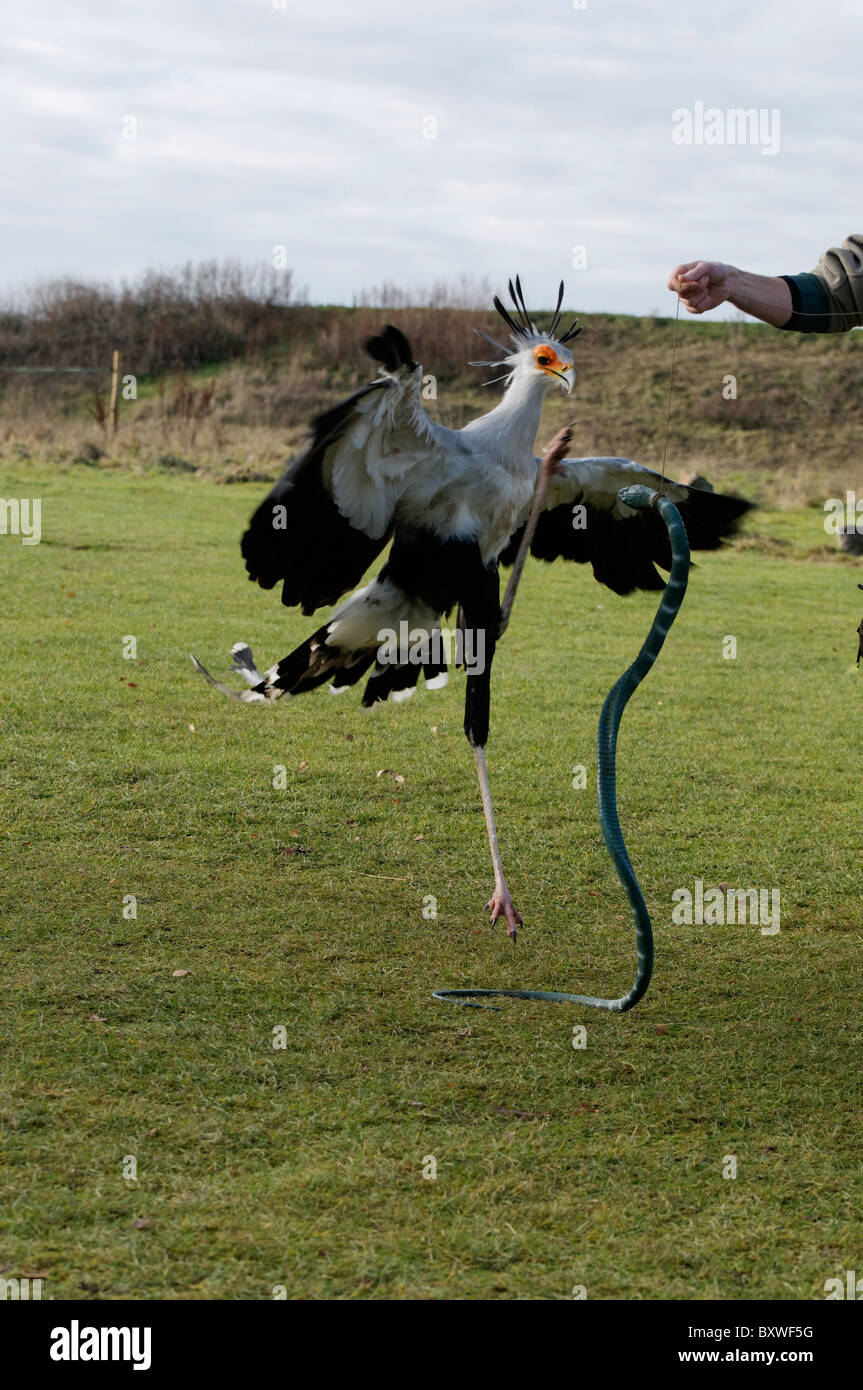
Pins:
<point x="308" y="126"/>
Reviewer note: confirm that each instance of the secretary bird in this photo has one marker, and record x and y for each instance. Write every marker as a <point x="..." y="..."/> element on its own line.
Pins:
<point x="455" y="504"/>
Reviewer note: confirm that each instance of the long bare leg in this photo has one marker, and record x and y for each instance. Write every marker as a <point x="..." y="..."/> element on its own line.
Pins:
<point x="500" y="904"/>
<point x="480" y="614"/>
<point x="549" y="466"/>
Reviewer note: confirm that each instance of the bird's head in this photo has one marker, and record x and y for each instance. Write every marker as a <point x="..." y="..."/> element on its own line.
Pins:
<point x="535" y="355"/>
<point x="551" y="359"/>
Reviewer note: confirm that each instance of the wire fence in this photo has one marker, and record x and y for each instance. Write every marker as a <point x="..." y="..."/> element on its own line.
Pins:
<point x="114" y="369"/>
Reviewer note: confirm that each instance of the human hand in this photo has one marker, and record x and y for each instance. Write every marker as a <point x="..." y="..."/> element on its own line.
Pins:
<point x="701" y="285"/>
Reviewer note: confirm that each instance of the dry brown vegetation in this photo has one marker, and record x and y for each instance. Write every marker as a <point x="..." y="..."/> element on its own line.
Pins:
<point x="166" y="319"/>
<point x="229" y="370"/>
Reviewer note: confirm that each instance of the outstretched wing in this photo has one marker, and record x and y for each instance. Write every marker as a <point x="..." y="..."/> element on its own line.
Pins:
<point x="331" y="513"/>
<point x="584" y="521"/>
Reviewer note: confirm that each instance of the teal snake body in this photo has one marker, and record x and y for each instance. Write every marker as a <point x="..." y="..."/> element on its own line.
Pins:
<point x="639" y="497"/>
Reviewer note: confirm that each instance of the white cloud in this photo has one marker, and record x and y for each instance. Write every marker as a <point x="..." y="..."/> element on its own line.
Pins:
<point x="304" y="126"/>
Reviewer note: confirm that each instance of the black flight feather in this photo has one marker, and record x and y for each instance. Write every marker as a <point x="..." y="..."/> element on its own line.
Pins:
<point x="556" y="319"/>
<point x="572" y="332"/>
<point x="391" y="349"/>
<point x="507" y="318"/>
<point x="531" y="326"/>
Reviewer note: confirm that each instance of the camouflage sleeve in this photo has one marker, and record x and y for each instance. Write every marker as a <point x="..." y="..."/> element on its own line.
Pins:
<point x="829" y="299"/>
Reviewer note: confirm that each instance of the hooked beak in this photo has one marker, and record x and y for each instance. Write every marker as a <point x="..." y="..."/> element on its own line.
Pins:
<point x="567" y="376"/>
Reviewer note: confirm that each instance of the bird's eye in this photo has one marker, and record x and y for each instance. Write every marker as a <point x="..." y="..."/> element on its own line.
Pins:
<point x="543" y="360"/>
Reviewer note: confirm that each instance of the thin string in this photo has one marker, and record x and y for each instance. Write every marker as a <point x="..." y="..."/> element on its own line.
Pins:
<point x="670" y="387"/>
<point x="831" y="315"/>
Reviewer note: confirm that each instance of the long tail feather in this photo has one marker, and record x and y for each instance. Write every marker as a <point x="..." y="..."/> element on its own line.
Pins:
<point x="244" y="664"/>
<point x="250" y="697"/>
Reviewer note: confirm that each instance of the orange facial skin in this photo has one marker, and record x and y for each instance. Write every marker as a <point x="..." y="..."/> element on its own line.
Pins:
<point x="548" y="361"/>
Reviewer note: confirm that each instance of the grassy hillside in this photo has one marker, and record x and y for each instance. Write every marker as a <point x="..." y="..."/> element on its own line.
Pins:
<point x="792" y="435"/>
<point x="258" y="909"/>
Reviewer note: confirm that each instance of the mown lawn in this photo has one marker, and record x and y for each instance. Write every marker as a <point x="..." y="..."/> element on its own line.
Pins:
<point x="302" y="1166"/>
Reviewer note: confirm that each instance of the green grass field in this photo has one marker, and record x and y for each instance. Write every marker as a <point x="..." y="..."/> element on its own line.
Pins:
<point x="302" y="1166"/>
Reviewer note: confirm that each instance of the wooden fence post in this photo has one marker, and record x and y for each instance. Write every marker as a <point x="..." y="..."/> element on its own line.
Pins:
<point x="115" y="393"/>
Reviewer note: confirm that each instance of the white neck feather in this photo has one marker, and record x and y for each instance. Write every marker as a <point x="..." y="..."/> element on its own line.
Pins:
<point x="510" y="429"/>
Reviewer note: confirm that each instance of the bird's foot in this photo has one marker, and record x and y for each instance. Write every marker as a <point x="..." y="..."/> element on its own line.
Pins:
<point x="556" y="451"/>
<point x="500" y="905"/>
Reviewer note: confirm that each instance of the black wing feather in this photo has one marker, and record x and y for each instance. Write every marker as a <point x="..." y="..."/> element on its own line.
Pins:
<point x="391" y="348"/>
<point x="624" y="551"/>
<point x="298" y="536"/>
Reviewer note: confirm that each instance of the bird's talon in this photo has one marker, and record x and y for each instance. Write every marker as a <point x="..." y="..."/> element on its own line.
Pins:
<point x="500" y="905"/>
<point x="557" y="450"/>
